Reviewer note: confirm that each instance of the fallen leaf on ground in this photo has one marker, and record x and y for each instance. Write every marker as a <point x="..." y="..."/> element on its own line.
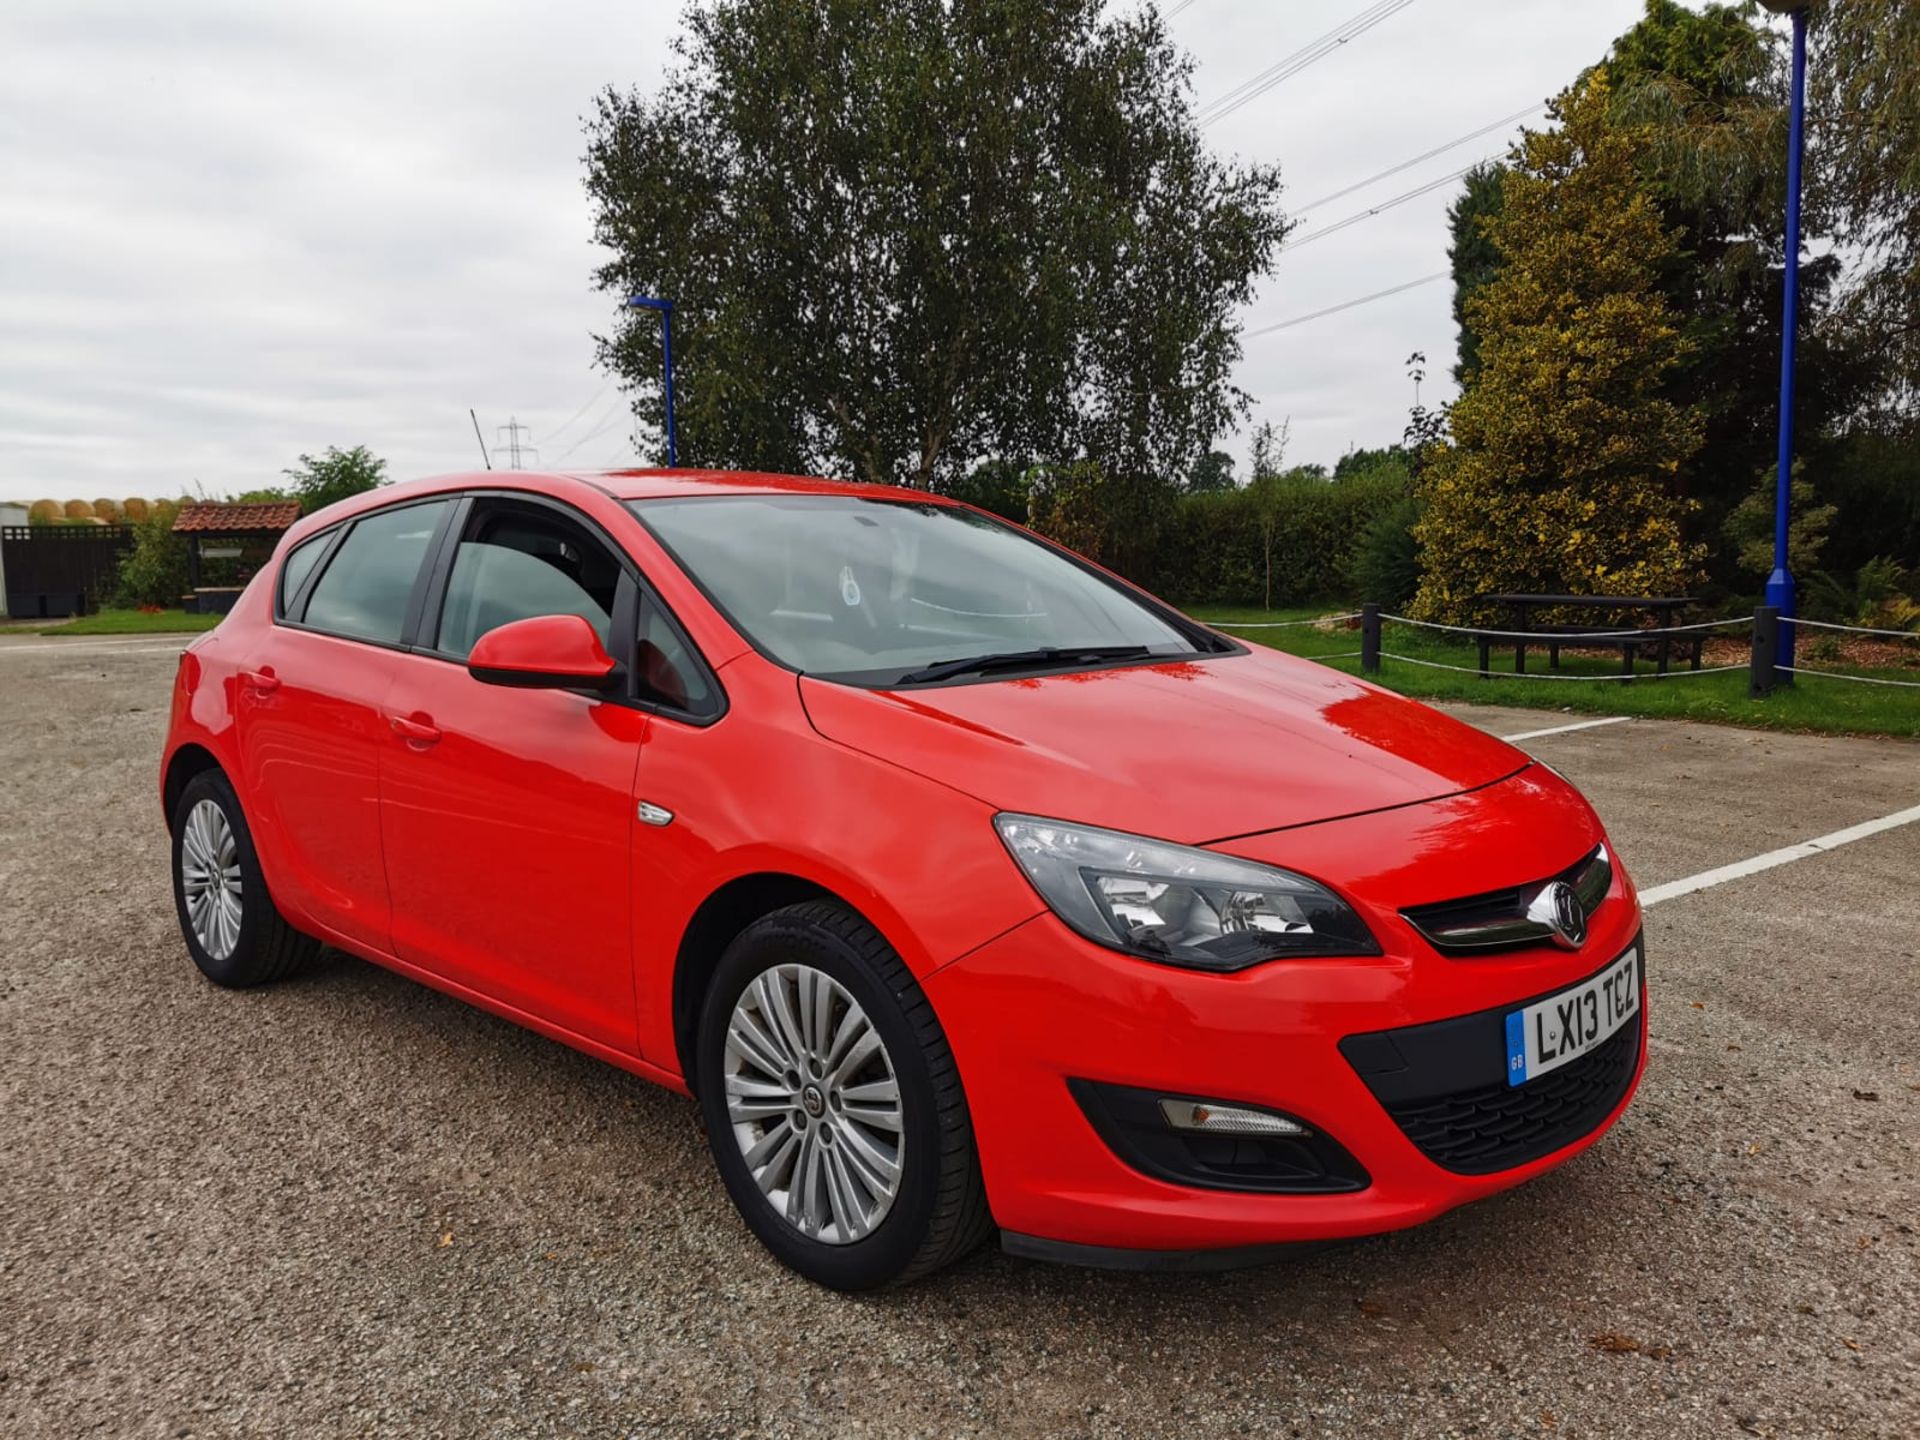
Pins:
<point x="1612" y="1342"/>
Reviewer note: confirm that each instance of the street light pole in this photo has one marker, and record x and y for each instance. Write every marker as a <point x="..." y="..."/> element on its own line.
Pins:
<point x="665" y="307"/>
<point x="1780" y="587"/>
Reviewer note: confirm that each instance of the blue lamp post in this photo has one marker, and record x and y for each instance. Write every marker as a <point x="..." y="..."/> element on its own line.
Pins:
<point x="665" y="307"/>
<point x="1780" y="591"/>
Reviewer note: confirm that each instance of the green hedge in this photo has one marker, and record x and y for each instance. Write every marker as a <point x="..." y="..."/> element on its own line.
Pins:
<point x="1215" y="548"/>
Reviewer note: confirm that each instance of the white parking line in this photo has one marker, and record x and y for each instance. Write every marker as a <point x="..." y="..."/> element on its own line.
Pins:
<point x="1563" y="729"/>
<point x="1742" y="868"/>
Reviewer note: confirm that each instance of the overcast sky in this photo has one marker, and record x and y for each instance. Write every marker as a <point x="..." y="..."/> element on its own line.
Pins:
<point x="233" y="232"/>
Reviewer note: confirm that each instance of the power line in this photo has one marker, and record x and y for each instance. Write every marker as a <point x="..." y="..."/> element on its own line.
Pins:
<point x="1248" y="91"/>
<point x="1176" y="9"/>
<point x="553" y="437"/>
<point x="1500" y="124"/>
<point x="1345" y="305"/>
<point x="1382" y="207"/>
<point x="592" y="434"/>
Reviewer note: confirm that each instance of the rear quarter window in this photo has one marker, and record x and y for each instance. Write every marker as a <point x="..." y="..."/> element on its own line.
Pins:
<point x="366" y="588"/>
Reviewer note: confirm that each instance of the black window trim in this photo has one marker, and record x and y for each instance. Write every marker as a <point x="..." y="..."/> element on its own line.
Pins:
<point x="1209" y="644"/>
<point x="283" y="604"/>
<point x="633" y="593"/>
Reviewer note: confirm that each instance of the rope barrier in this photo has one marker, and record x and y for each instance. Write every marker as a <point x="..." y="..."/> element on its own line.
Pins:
<point x="1856" y="679"/>
<point x="1616" y="679"/>
<point x="1282" y="624"/>
<point x="1851" y="629"/>
<point x="1568" y="638"/>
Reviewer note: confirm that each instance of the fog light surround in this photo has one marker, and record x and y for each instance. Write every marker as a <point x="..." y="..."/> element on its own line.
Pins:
<point x="1209" y="1118"/>
<point x="1211" y="1144"/>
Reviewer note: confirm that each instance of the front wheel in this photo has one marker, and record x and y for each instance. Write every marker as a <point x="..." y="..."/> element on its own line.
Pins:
<point x="833" y="1106"/>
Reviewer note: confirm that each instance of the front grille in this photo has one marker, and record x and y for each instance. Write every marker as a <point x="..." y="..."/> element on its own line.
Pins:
<point x="1497" y="1127"/>
<point x="1445" y="1085"/>
<point x="1502" y="919"/>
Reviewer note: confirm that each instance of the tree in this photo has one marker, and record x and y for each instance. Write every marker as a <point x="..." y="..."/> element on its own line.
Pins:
<point x="1269" y="451"/>
<point x="318" y="482"/>
<point x="901" y="235"/>
<point x="1363" y="461"/>
<point x="1212" y="474"/>
<point x="265" y="495"/>
<point x="997" y="485"/>
<point x="1865" y="91"/>
<point x="1706" y="90"/>
<point x="1563" y="444"/>
<point x="1471" y="254"/>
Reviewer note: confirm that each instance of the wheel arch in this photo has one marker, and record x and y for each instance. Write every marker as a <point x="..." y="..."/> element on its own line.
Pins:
<point x="187" y="761"/>
<point x="719" y="919"/>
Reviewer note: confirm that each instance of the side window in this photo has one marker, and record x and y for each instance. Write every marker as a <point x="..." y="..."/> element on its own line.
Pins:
<point x="667" y="670"/>
<point x="298" y="565"/>
<point x="515" y="563"/>
<point x="366" y="586"/>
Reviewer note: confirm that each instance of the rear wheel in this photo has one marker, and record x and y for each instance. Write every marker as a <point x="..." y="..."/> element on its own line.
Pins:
<point x="232" y="929"/>
<point x="833" y="1106"/>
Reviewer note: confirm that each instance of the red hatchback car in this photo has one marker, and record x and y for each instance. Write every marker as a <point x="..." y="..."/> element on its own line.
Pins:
<point x="964" y="883"/>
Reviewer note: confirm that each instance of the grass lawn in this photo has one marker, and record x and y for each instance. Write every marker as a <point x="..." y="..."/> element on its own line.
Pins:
<point x="1810" y="704"/>
<point x="135" y="622"/>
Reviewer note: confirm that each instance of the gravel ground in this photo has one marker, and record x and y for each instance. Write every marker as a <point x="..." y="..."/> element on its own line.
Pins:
<point x="348" y="1205"/>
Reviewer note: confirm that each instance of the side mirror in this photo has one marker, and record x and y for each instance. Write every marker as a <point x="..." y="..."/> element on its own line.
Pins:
<point x="545" y="652"/>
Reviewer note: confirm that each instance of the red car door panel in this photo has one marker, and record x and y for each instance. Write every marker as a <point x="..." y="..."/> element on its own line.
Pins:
<point x="507" y="820"/>
<point x="311" y="731"/>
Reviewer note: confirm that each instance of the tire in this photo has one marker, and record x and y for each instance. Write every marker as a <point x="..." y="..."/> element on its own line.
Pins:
<point x="937" y="1211"/>
<point x="258" y="945"/>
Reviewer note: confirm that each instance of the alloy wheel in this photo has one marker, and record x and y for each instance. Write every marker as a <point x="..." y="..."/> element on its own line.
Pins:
<point x="210" y="879"/>
<point x="815" y="1103"/>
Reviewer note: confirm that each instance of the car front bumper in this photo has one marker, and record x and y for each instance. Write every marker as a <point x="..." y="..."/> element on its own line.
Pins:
<point x="1040" y="1007"/>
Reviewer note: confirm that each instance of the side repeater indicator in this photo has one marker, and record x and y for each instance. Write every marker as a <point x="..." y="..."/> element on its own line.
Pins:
<point x="652" y="814"/>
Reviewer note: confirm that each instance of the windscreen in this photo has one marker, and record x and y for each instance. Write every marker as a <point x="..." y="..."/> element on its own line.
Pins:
<point x="878" y="591"/>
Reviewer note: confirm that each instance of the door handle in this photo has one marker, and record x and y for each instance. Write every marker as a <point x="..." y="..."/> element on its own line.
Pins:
<point x="414" y="732"/>
<point x="265" y="681"/>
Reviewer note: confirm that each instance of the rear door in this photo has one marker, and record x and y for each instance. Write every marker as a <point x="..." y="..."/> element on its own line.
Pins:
<point x="507" y="814"/>
<point x="308" y="717"/>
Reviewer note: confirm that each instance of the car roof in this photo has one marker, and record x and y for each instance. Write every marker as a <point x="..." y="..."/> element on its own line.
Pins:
<point x="668" y="484"/>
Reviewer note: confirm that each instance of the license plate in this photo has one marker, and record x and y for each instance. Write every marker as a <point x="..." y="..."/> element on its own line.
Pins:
<point x="1550" y="1032"/>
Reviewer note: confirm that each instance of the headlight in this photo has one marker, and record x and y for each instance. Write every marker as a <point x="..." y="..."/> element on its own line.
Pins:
<point x="1178" y="905"/>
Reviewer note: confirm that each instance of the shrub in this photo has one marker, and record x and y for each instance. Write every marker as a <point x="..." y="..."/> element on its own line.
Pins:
<point x="1880" y="595"/>
<point x="154" y="571"/>
<point x="1385" y="564"/>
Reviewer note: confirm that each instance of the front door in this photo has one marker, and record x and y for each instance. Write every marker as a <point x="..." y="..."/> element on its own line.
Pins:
<point x="506" y="814"/>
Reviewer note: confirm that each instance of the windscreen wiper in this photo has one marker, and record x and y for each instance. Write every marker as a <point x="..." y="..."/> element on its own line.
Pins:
<point x="1024" y="659"/>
